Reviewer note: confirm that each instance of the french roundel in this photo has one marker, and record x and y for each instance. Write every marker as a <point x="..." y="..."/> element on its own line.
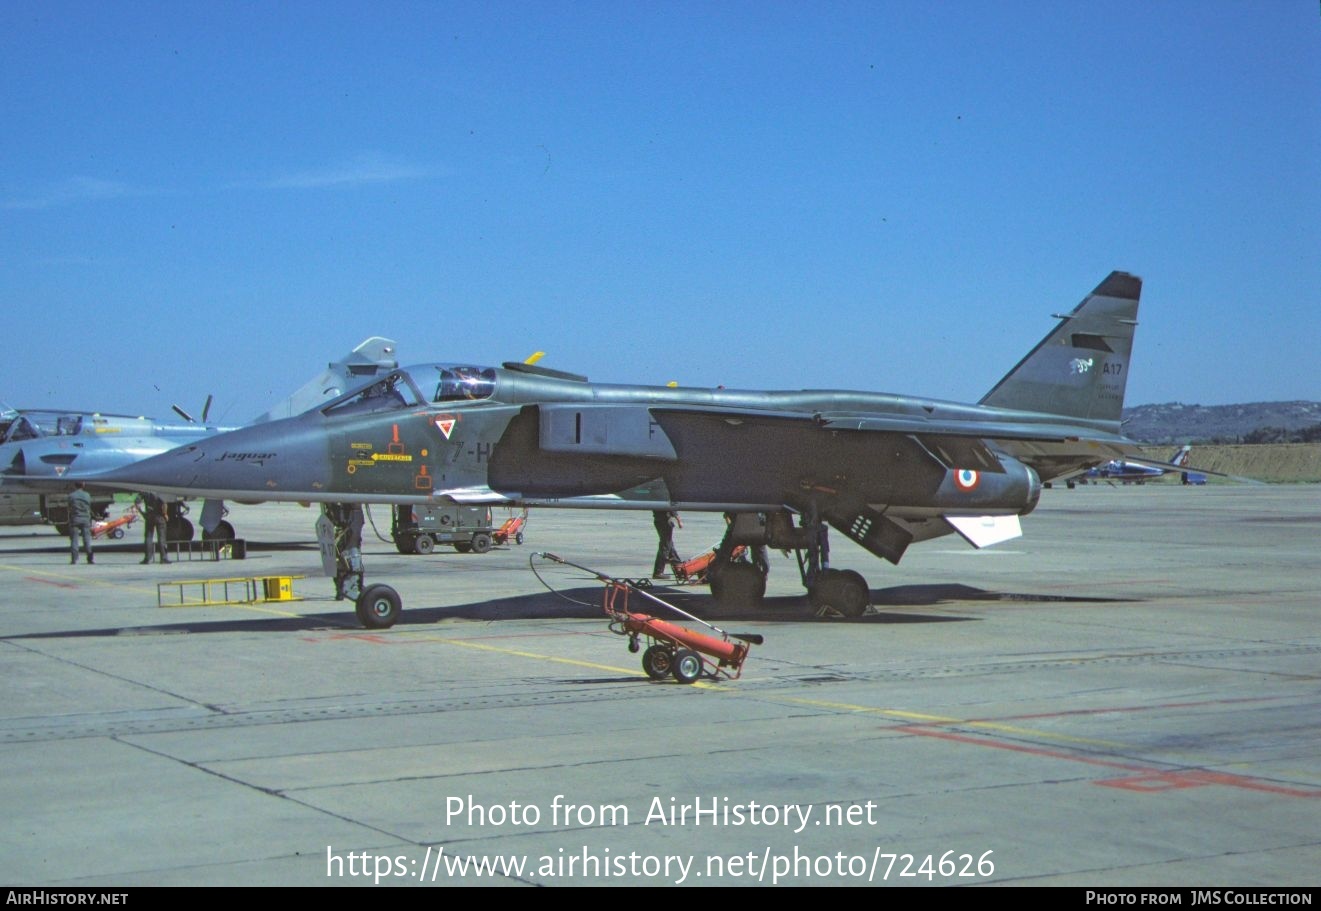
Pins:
<point x="966" y="478"/>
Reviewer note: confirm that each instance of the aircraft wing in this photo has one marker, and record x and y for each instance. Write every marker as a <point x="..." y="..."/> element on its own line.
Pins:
<point x="655" y="433"/>
<point x="894" y="423"/>
<point x="884" y="481"/>
<point x="1053" y="450"/>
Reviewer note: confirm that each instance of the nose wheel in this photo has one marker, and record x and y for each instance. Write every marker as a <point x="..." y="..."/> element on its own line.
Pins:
<point x="379" y="607"/>
<point x="339" y="532"/>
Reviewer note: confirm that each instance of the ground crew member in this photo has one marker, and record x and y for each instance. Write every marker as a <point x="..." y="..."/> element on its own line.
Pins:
<point x="155" y="516"/>
<point x="665" y="522"/>
<point x="80" y="522"/>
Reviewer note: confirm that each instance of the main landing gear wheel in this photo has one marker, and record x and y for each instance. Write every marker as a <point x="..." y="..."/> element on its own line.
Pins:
<point x="687" y="665"/>
<point x="840" y="591"/>
<point x="738" y="584"/>
<point x="223" y="532"/>
<point x="424" y="544"/>
<point x="179" y="529"/>
<point x="657" y="661"/>
<point x="379" y="607"/>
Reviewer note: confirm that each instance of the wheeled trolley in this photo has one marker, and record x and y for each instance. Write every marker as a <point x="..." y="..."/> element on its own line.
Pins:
<point x="672" y="650"/>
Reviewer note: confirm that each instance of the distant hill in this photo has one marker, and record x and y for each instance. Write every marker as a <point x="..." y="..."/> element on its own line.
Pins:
<point x="1287" y="463"/>
<point x="1175" y="422"/>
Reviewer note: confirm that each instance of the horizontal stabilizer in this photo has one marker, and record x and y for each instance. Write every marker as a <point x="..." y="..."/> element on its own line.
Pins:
<point x="983" y="531"/>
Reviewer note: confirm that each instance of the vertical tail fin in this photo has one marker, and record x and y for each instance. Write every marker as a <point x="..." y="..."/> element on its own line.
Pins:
<point x="1080" y="369"/>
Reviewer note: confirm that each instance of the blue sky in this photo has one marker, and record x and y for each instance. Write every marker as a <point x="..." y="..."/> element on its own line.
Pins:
<point x="218" y="197"/>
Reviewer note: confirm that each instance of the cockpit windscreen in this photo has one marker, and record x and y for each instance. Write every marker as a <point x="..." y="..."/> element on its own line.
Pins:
<point x="461" y="383"/>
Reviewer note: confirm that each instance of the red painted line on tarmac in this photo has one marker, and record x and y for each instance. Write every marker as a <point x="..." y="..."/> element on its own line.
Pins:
<point x="1200" y="778"/>
<point x="50" y="582"/>
<point x="1145" y="779"/>
<point x="921" y="731"/>
<point x="1116" y="710"/>
<point x="1151" y="784"/>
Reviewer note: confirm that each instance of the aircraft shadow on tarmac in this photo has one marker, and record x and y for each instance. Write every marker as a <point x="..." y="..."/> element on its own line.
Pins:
<point x="586" y="603"/>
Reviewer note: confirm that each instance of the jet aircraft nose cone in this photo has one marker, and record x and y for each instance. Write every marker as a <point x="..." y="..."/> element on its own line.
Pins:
<point x="169" y="469"/>
<point x="279" y="457"/>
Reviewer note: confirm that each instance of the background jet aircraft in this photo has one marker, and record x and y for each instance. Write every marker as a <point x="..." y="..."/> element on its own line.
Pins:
<point x="884" y="470"/>
<point x="1129" y="472"/>
<point x="40" y="449"/>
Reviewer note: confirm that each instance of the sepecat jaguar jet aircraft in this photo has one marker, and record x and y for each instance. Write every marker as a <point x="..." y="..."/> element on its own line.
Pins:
<point x="887" y="471"/>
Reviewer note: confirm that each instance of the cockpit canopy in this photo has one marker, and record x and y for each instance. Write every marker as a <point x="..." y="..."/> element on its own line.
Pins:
<point x="16" y="426"/>
<point x="403" y="388"/>
<point x="462" y="383"/>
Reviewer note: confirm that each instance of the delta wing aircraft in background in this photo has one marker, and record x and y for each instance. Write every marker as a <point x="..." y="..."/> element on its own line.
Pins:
<point x="886" y="471"/>
<point x="42" y="452"/>
<point x="1126" y="471"/>
<point x="20" y="507"/>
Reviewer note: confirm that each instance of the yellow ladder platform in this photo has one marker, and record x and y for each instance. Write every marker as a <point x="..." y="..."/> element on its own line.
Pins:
<point x="215" y="592"/>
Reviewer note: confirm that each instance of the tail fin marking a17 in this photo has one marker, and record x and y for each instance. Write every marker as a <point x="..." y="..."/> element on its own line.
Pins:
<point x="1080" y="369"/>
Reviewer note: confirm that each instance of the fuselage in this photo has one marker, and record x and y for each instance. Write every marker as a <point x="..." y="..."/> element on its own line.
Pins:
<point x="518" y="435"/>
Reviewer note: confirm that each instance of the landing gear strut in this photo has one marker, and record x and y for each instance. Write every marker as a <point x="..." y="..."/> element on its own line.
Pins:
<point x="214" y="525"/>
<point x="738" y="572"/>
<point x="339" y="530"/>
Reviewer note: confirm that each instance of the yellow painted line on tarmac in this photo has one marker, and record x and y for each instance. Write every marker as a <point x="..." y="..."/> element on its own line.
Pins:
<point x="65" y="576"/>
<point x="943" y="721"/>
<point x="872" y="710"/>
<point x="83" y="580"/>
<point x="520" y="653"/>
<point x="257" y="608"/>
<point x="537" y="656"/>
<point x="1044" y="735"/>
